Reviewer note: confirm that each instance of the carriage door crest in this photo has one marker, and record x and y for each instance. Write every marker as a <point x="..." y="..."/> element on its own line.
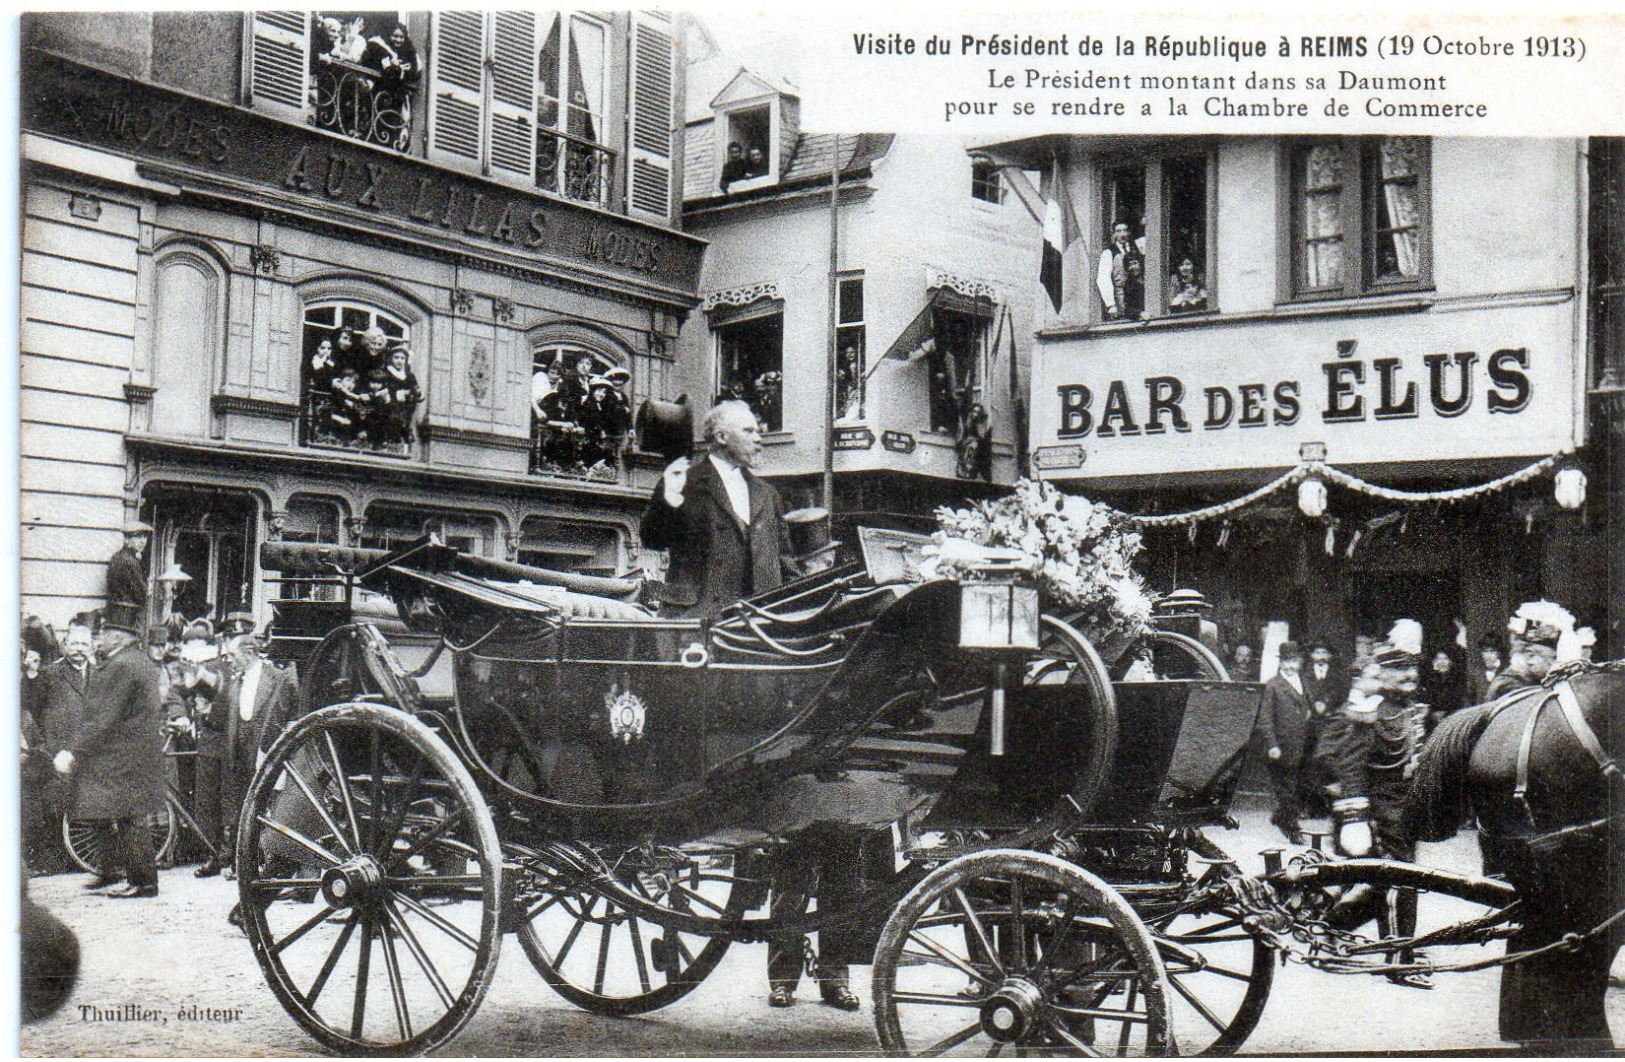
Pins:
<point x="626" y="714"/>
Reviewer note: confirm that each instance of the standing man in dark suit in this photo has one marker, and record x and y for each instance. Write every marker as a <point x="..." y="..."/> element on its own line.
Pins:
<point x="1486" y="671"/>
<point x="1326" y="685"/>
<point x="256" y="701"/>
<point x="1283" y="719"/>
<point x="722" y="525"/>
<point x="117" y="757"/>
<point x="127" y="571"/>
<point x="60" y="707"/>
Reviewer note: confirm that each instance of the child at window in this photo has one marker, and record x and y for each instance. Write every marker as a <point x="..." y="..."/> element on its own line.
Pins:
<point x="1185" y="291"/>
<point x="398" y="395"/>
<point x="347" y="416"/>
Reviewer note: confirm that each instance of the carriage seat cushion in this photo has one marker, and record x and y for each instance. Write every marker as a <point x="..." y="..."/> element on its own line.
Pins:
<point x="576" y="605"/>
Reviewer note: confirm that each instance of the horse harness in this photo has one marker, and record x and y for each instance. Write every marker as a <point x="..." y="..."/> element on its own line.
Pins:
<point x="1574" y="717"/>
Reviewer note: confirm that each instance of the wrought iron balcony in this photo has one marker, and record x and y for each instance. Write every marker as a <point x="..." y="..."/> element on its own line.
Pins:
<point x="361" y="103"/>
<point x="572" y="167"/>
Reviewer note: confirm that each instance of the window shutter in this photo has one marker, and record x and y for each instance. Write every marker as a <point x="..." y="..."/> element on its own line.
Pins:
<point x="279" y="62"/>
<point x="649" y="154"/>
<point x="513" y="94"/>
<point x="457" y="88"/>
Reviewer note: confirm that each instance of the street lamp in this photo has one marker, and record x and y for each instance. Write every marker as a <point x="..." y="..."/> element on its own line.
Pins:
<point x="1312" y="497"/>
<point x="1570" y="488"/>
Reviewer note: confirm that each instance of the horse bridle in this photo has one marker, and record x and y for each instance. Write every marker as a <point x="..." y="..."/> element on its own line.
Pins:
<point x="1563" y="694"/>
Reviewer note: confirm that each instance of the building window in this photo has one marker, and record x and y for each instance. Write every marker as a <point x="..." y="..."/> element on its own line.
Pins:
<point x="351" y="72"/>
<point x="1360" y="215"/>
<point x="361" y="390"/>
<point x="985" y="182"/>
<point x="750" y="365"/>
<point x="389" y="527"/>
<point x="955" y="366"/>
<point x="749" y="152"/>
<point x="210" y="534"/>
<point x="851" y="362"/>
<point x="580" y="412"/>
<point x="1155" y="223"/>
<point x="522" y="95"/>
<point x="311" y="520"/>
<point x="569" y="546"/>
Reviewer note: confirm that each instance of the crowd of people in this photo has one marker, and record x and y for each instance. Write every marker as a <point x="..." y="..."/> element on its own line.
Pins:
<point x="121" y="720"/>
<point x="363" y="392"/>
<point x="580" y="418"/>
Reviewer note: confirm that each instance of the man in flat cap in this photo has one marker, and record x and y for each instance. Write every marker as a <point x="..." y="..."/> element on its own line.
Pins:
<point x="127" y="570"/>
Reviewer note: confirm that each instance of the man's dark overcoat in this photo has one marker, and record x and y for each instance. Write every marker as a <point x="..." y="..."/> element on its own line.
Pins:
<point x="119" y="751"/>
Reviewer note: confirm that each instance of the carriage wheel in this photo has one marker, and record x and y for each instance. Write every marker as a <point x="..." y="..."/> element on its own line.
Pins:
<point x="1200" y="661"/>
<point x="79" y="838"/>
<point x="1220" y="974"/>
<point x="370" y="879"/>
<point x="1018" y="950"/>
<point x="607" y="960"/>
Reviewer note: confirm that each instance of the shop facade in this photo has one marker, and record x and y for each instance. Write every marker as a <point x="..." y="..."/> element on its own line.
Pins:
<point x="249" y="315"/>
<point x="1397" y="332"/>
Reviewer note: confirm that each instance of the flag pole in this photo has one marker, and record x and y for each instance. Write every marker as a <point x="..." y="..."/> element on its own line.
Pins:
<point x="832" y="365"/>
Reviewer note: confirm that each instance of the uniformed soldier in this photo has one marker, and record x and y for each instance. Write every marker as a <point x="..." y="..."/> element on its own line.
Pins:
<point x="1370" y="747"/>
<point x="1534" y="631"/>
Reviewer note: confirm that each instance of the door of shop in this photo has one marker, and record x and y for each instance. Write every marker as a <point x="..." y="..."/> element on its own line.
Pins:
<point x="210" y="534"/>
<point x="1433" y="600"/>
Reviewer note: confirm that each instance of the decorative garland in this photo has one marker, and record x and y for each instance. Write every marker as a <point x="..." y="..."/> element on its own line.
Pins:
<point x="1308" y="469"/>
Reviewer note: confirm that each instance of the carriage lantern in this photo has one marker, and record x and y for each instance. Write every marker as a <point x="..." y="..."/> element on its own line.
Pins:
<point x="1570" y="488"/>
<point x="1000" y="613"/>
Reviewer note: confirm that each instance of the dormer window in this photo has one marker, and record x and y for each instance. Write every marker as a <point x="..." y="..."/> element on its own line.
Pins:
<point x="750" y="123"/>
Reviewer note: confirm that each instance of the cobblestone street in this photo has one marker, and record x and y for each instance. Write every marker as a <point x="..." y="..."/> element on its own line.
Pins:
<point x="178" y="952"/>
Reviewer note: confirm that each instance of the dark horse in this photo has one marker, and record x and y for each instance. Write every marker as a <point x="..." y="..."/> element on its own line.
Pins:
<point x="1550" y="806"/>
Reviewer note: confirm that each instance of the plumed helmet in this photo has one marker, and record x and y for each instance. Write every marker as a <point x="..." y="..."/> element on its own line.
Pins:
<point x="1541" y="623"/>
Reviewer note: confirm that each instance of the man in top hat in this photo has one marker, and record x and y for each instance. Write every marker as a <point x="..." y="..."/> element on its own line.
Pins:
<point x="127" y="570"/>
<point x="1283" y="724"/>
<point x="1371" y="746"/>
<point x="117" y="758"/>
<point x="1534" y="631"/>
<point x="722" y="525"/>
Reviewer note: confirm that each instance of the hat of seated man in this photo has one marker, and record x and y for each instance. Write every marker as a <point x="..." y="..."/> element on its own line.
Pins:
<point x="1289" y="650"/>
<point x="809" y="534"/>
<point x="1540" y="623"/>
<point x="238" y="623"/>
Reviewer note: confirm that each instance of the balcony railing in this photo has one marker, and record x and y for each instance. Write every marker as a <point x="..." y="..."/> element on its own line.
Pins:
<point x="572" y="167"/>
<point x="329" y="421"/>
<point x="360" y="103"/>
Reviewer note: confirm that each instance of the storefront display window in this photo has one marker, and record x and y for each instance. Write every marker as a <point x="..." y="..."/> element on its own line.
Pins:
<point x="570" y="546"/>
<point x="1360" y="215"/>
<point x="312" y="520"/>
<point x="210" y="535"/>
<point x="361" y="387"/>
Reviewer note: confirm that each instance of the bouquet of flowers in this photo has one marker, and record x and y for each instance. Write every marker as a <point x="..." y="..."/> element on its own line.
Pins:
<point x="1083" y="553"/>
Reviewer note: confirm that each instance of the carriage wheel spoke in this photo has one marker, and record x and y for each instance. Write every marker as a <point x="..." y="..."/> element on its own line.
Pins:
<point x="1128" y="1004"/>
<point x="321" y="808"/>
<point x="300" y="839"/>
<point x="385" y="843"/>
<point x="604" y="935"/>
<point x="637" y="952"/>
<point x="428" y="914"/>
<point x="330" y="964"/>
<point x="397" y="987"/>
<point x="948" y="1043"/>
<point x="1060" y="1029"/>
<point x="948" y="957"/>
<point x="342" y="781"/>
<point x="358" y="1014"/>
<point x="981" y="932"/>
<point x="453" y="818"/>
<point x="532" y="913"/>
<point x="310" y="923"/>
<point x="1201" y="1008"/>
<point x="697" y="898"/>
<point x="278" y="885"/>
<point x="575" y="931"/>
<point x="376" y="781"/>
<point x="414" y="946"/>
<point x="932" y="999"/>
<point x="1069" y="915"/>
<point x="1101" y="1013"/>
<point x="1018" y="918"/>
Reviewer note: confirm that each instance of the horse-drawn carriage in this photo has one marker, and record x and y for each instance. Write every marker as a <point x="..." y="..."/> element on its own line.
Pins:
<point x="623" y="793"/>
